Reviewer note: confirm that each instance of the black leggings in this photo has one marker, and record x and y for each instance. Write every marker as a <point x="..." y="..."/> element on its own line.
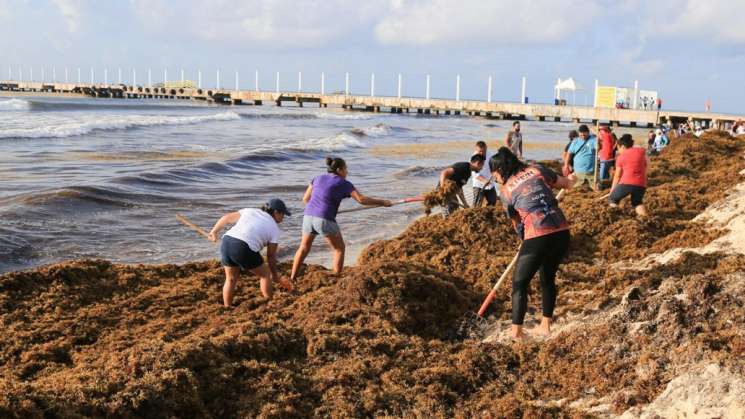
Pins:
<point x="543" y="255"/>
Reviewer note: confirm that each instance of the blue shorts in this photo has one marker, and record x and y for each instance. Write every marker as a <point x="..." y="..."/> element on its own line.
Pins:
<point x="318" y="225"/>
<point x="236" y="253"/>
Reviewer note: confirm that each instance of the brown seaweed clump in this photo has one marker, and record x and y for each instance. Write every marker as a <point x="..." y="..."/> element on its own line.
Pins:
<point x="94" y="339"/>
<point x="440" y="196"/>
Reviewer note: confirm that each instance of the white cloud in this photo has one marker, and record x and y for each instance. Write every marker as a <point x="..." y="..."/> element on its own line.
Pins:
<point x="71" y="11"/>
<point x="485" y="22"/>
<point x="722" y="21"/>
<point x="255" y="23"/>
<point x="317" y="23"/>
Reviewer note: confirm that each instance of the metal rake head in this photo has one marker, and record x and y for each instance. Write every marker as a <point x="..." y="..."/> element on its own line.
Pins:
<point x="471" y="326"/>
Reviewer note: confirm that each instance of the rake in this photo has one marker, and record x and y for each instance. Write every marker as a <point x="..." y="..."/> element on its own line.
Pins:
<point x="476" y="323"/>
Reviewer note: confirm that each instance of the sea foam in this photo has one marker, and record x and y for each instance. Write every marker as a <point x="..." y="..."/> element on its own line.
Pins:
<point x="106" y="123"/>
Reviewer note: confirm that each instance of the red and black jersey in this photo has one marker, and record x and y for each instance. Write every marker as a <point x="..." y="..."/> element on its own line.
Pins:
<point x="529" y="200"/>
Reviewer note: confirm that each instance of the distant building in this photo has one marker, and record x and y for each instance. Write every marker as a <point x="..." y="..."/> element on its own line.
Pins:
<point x="623" y="97"/>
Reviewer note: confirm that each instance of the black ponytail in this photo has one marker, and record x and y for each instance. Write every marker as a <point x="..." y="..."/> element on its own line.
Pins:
<point x="267" y="210"/>
<point x="506" y="163"/>
<point x="334" y="164"/>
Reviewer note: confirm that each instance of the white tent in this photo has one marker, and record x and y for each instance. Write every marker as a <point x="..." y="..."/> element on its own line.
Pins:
<point x="570" y="85"/>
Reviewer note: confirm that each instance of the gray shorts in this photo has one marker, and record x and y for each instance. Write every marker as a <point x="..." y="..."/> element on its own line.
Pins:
<point x="318" y="225"/>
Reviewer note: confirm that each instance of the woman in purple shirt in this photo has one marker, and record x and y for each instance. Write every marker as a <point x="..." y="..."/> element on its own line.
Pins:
<point x="322" y="199"/>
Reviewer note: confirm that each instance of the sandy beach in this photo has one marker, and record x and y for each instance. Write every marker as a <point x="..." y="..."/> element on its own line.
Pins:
<point x="642" y="329"/>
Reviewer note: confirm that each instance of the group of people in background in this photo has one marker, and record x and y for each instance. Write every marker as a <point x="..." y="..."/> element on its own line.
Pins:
<point x="738" y="128"/>
<point x="690" y="127"/>
<point x="526" y="192"/>
<point x="657" y="140"/>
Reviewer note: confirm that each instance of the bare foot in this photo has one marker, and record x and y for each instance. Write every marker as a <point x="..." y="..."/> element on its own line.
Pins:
<point x="517" y="334"/>
<point x="540" y="332"/>
<point x="544" y="329"/>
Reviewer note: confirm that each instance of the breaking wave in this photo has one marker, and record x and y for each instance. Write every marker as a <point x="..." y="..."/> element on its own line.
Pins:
<point x="15" y="105"/>
<point x="106" y="123"/>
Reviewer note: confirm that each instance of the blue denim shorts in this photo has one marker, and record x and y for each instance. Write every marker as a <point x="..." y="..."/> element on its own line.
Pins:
<point x="318" y="225"/>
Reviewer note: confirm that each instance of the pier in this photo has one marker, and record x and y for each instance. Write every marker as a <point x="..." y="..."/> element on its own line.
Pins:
<point x="373" y="103"/>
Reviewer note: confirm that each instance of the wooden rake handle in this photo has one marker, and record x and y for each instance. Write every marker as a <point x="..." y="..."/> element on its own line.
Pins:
<point x="193" y="226"/>
<point x="367" y="207"/>
<point x="493" y="293"/>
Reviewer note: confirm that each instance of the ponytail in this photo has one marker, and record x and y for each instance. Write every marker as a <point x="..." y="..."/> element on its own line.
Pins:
<point x="267" y="209"/>
<point x="334" y="164"/>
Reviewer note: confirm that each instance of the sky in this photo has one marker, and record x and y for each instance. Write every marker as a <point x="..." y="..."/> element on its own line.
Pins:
<point x="687" y="50"/>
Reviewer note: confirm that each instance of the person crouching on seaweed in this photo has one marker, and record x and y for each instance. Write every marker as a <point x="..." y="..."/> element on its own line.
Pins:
<point x="322" y="199"/>
<point x="253" y="229"/>
<point x="530" y="203"/>
<point x="459" y="173"/>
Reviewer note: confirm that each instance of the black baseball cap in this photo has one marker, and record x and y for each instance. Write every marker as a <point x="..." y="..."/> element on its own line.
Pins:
<point x="278" y="205"/>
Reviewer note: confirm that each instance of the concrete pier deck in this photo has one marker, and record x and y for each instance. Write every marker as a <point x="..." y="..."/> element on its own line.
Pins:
<point x="502" y="110"/>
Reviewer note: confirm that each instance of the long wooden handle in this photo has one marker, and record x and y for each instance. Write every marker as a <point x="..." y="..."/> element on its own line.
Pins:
<point x="193" y="226"/>
<point x="367" y="207"/>
<point x="493" y="293"/>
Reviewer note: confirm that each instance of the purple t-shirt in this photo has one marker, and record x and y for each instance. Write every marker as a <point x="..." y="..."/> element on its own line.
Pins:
<point x="328" y="191"/>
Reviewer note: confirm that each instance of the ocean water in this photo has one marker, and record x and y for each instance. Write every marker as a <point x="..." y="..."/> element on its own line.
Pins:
<point x="104" y="178"/>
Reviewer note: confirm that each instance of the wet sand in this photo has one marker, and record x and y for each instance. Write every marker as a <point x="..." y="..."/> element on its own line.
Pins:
<point x="437" y="149"/>
<point x="99" y="339"/>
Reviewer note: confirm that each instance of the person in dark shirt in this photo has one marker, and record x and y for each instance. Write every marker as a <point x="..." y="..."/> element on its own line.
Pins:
<point x="460" y="173"/>
<point x="526" y="192"/>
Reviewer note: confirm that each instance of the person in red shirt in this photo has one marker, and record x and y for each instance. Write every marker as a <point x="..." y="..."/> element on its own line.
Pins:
<point x="630" y="177"/>
<point x="607" y="154"/>
<point x="531" y="205"/>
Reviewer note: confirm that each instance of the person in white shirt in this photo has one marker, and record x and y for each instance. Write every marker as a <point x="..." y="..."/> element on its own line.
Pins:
<point x="253" y="229"/>
<point x="483" y="187"/>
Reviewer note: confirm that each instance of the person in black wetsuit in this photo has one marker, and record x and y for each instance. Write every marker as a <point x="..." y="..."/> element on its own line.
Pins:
<point x="526" y="192"/>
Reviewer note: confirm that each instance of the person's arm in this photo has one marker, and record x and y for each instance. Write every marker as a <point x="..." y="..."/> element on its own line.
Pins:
<point x="520" y="148"/>
<point x="308" y="193"/>
<point x="514" y="217"/>
<point x="271" y="260"/>
<point x="617" y="177"/>
<point x="507" y="139"/>
<point x="230" y="218"/>
<point x="565" y="182"/>
<point x="482" y="179"/>
<point x="366" y="200"/>
<point x="445" y="175"/>
<point x="571" y="151"/>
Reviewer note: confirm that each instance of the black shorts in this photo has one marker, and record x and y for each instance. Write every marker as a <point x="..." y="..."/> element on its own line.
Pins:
<point x="621" y="191"/>
<point x="235" y="252"/>
<point x="489" y="194"/>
